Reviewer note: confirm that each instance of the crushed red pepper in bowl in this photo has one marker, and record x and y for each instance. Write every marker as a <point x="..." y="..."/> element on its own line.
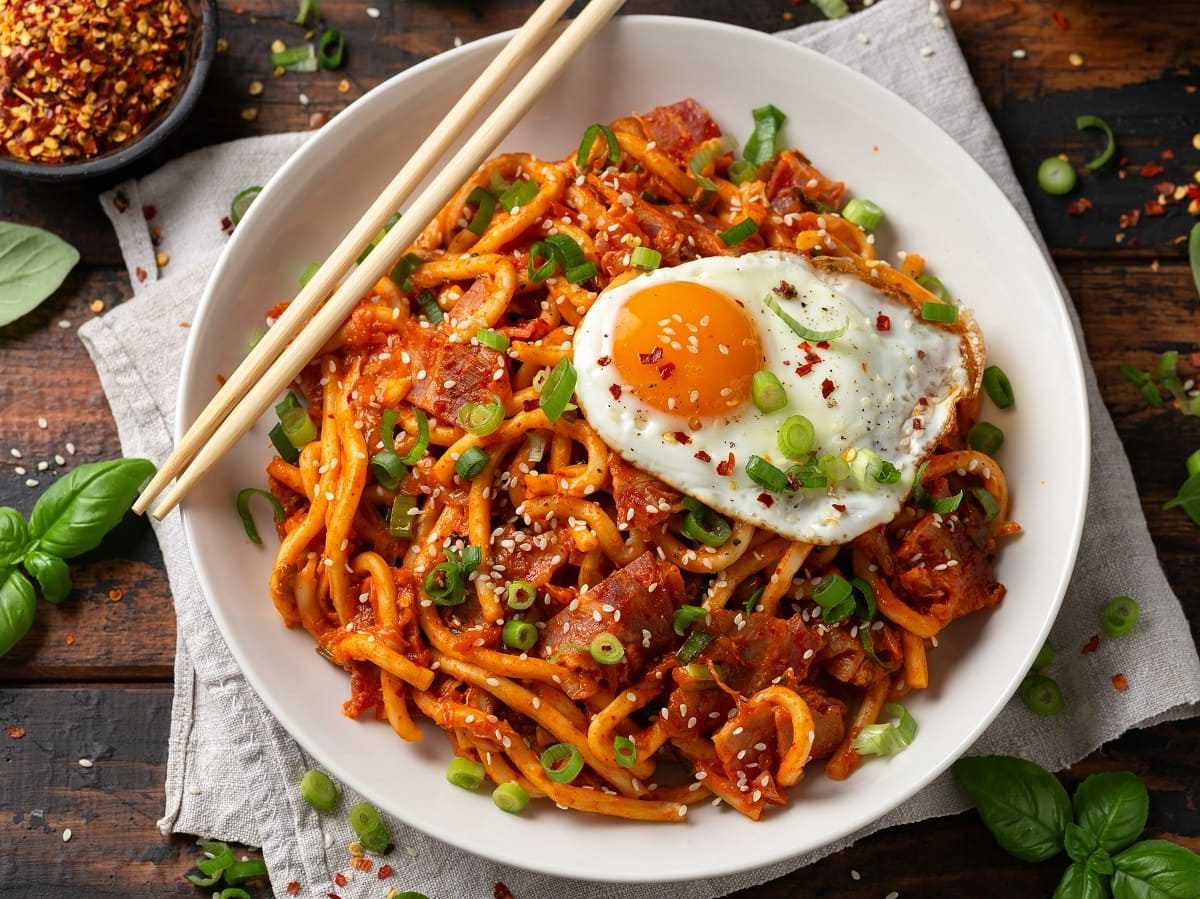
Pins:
<point x="82" y="81"/>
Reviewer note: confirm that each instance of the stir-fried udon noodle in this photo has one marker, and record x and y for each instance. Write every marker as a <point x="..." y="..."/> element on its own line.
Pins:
<point x="463" y="543"/>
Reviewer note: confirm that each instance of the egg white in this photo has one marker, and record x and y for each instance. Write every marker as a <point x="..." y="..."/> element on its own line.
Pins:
<point x="880" y="378"/>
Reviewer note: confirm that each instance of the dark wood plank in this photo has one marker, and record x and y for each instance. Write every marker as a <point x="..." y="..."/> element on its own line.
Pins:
<point x="115" y="847"/>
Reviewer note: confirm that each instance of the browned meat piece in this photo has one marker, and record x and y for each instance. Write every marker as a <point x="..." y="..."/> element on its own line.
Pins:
<point x="525" y="556"/>
<point x="945" y="567"/>
<point x="764" y="649"/>
<point x="794" y="185"/>
<point x="469" y="370"/>
<point x="829" y="720"/>
<point x="642" y="499"/>
<point x="680" y="128"/>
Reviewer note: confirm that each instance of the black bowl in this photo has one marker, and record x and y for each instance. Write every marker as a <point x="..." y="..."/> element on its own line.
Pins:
<point x="201" y="47"/>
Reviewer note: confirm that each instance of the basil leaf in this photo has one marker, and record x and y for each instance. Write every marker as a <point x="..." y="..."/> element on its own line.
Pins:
<point x="1080" y="883"/>
<point x="1113" y="808"/>
<point x="1079" y="843"/>
<point x="1100" y="862"/>
<point x="14" y="536"/>
<point x="1156" y="869"/>
<point x="1022" y="804"/>
<point x="81" y="507"/>
<point x="51" y="573"/>
<point x="17" y="604"/>
<point x="33" y="264"/>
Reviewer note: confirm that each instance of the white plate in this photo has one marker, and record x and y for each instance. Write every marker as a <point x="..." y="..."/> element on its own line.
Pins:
<point x="938" y="202"/>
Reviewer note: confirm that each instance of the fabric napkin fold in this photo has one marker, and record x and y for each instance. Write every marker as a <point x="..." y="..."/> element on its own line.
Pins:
<point x="232" y="769"/>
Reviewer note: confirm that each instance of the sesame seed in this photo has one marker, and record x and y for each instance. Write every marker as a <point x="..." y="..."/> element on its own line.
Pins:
<point x="31" y="482"/>
<point x="1019" y="53"/>
<point x="926" y="52"/>
<point x="67" y="835"/>
<point x="86" y="763"/>
<point x="43" y="424"/>
<point x="372" y="12"/>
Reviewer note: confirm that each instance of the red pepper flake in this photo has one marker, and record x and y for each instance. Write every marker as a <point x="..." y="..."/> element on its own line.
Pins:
<point x="604" y="361"/>
<point x="227" y="225"/>
<point x="70" y="639"/>
<point x="766" y="499"/>
<point x="666" y="370"/>
<point x="501" y="891"/>
<point x="1166" y="188"/>
<point x="1130" y="219"/>
<point x="1194" y="359"/>
<point x="1079" y="207"/>
<point x="883" y="323"/>
<point x="918" y="425"/>
<point x="384" y="872"/>
<point x="725" y="469"/>
<point x="530" y="405"/>
<point x="1152" y="170"/>
<point x="823" y="345"/>
<point x="1153" y="208"/>
<point x="330" y="895"/>
<point x="149" y="212"/>
<point x="804" y="369"/>
<point x="1167" y="154"/>
<point x="651" y="357"/>
<point x="1060" y="21"/>
<point x="1091" y="645"/>
<point x="1120" y="682"/>
<point x="840" y="508"/>
<point x="683" y="438"/>
<point x="615" y="390"/>
<point x="703" y="456"/>
<point x="340" y="879"/>
<point x="1193" y="191"/>
<point x="140" y="274"/>
<point x="16" y="732"/>
<point x="115" y="594"/>
<point x="293" y="888"/>
<point x="786" y="289"/>
<point x="827" y="387"/>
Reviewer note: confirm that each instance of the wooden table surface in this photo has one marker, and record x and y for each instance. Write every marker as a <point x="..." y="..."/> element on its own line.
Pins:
<point x="93" y="678"/>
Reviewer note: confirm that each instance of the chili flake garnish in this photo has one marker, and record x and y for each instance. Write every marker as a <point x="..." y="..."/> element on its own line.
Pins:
<point x="16" y="732"/>
<point x="1091" y="645"/>
<point x="651" y="357"/>
<point x="384" y="872"/>
<point x="293" y="888"/>
<point x="340" y="879"/>
<point x="827" y="387"/>
<point x="683" y="438"/>
<point x="615" y="390"/>
<point x="79" y="78"/>
<point x="883" y="322"/>
<point x="703" y="456"/>
<point x="724" y="469"/>
<point x="1120" y="682"/>
<point x="666" y="370"/>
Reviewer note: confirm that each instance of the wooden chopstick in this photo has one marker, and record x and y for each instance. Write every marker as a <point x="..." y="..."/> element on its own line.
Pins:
<point x="264" y="389"/>
<point x="323" y="283"/>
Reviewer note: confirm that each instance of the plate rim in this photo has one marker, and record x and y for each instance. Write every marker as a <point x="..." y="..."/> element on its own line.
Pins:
<point x="697" y="867"/>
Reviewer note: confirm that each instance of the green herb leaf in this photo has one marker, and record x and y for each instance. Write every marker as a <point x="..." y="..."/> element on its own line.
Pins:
<point x="1156" y="869"/>
<point x="1100" y="862"/>
<point x="51" y="573"/>
<point x="1112" y="807"/>
<point x="33" y="263"/>
<point x="1080" y="883"/>
<point x="1022" y="804"/>
<point x="73" y="516"/>
<point x="1188" y="498"/>
<point x="14" y="535"/>
<point x="1079" y="843"/>
<point x="1194" y="254"/>
<point x="17" y="605"/>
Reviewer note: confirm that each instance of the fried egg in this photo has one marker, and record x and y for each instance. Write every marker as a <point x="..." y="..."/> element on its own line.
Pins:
<point x="666" y="362"/>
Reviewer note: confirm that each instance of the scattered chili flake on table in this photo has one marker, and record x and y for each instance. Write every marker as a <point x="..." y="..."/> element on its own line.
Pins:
<point x="115" y="594"/>
<point x="1091" y="645"/>
<point x="384" y="872"/>
<point x="78" y="78"/>
<point x="1120" y="682"/>
<point x="70" y="639"/>
<point x="501" y="891"/>
<point x="16" y="732"/>
<point x="340" y="879"/>
<point x="293" y="888"/>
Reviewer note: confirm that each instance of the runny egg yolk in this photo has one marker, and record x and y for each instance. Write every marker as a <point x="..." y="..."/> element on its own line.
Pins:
<point x="686" y="349"/>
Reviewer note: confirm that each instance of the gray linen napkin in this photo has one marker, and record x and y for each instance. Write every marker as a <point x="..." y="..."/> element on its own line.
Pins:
<point x="232" y="769"/>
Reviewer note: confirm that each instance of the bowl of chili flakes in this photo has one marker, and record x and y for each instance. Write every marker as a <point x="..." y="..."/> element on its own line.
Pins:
<point x="88" y="86"/>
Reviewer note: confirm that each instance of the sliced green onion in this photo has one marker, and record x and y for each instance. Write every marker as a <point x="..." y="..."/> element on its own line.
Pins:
<point x="308" y="273"/>
<point x="562" y="762"/>
<point x="703" y="525"/>
<point x="243" y="510"/>
<point x="1056" y="176"/>
<point x="922" y="498"/>
<point x="466" y="774"/>
<point x="835" y="468"/>
<point x="998" y="387"/>
<point x="485" y="208"/>
<point x="686" y="616"/>
<point x="240" y="872"/>
<point x="539" y="273"/>
<point x="1194" y="254"/>
<point x="645" y="258"/>
<point x="580" y="273"/>
<point x="283" y="446"/>
<point x="493" y="340"/>
<point x="946" y="313"/>
<point x="309" y="11"/>
<point x="400" y="520"/>
<point x="886" y="739"/>
<point x="521" y="594"/>
<point x="766" y="475"/>
<point x="1168" y="376"/>
<point x="888" y="473"/>
<point x="233" y="893"/>
<point x="429" y="305"/>
<point x="625" y="751"/>
<point x="1120" y="616"/>
<point x="481" y="418"/>
<point x="204" y="880"/>
<point x="1151" y="395"/>
<point x="935" y="287"/>
<point x="991" y="508"/>
<point x="698" y="671"/>
<point x="331" y="49"/>
<point x="606" y="649"/>
<point x="471" y="463"/>
<point x="1193" y="463"/>
<point x="222" y="858"/>
<point x="695" y="644"/>
<point x="588" y="143"/>
<point x="796" y="437"/>
<point x="567" y="251"/>
<point x="318" y="790"/>
<point x="833" y="9"/>
<point x="752" y="600"/>
<point x="418" y="449"/>
<point x="866" y="467"/>
<point x="804" y="333"/>
<point x="838" y="613"/>
<point x="807" y="475"/>
<point x="298" y="427"/>
<point x="444" y="584"/>
<point x="300" y="58"/>
<point x="241" y="203"/>
<point x="509" y="797"/>
<point x="742" y="170"/>
<point x="762" y="145"/>
<point x="864" y="213"/>
<point x="519" y="635"/>
<point x="370" y="828"/>
<point x="1090" y="121"/>
<point x="379" y="235"/>
<point x="472" y="558"/>
<point x="518" y="194"/>
<point x="700" y="160"/>
<point x="985" y="437"/>
<point x="832" y="590"/>
<point x="403" y="269"/>
<point x="557" y="389"/>
<point x="288" y="402"/>
<point x="868" y="607"/>
<point x="767" y="391"/>
<point x="1135" y="376"/>
<point x="388" y="469"/>
<point x="1044" y="657"/>
<point x="739" y="232"/>
<point x="1041" y="695"/>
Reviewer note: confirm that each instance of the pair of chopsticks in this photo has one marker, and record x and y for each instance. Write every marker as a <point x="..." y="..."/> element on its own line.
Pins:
<point x="306" y="325"/>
